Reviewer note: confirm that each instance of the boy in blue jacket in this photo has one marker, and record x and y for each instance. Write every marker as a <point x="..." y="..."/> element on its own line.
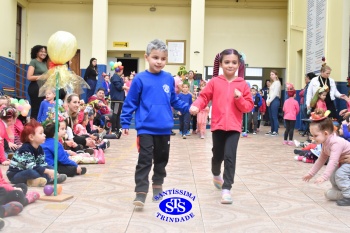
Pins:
<point x="151" y="96"/>
<point x="65" y="165"/>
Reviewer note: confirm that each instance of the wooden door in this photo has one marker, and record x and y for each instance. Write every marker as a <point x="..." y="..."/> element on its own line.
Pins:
<point x="76" y="63"/>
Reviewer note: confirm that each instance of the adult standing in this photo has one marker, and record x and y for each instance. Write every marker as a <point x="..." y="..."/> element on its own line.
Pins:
<point x="193" y="86"/>
<point x="117" y="99"/>
<point x="302" y="95"/>
<point x="91" y="77"/>
<point x="37" y="67"/>
<point x="273" y="102"/>
<point x="324" y="80"/>
<point x="266" y="92"/>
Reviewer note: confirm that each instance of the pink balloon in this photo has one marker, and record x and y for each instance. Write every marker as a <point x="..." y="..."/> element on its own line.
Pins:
<point x="20" y="108"/>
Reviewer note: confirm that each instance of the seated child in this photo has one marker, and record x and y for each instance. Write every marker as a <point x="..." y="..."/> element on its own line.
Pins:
<point x="46" y="105"/>
<point x="17" y="192"/>
<point x="65" y="165"/>
<point x="7" y="118"/>
<point x="28" y="163"/>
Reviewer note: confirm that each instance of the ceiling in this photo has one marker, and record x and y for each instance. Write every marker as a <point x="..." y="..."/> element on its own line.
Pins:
<point x="268" y="4"/>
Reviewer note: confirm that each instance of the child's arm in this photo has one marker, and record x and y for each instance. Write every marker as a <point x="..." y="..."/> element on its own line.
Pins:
<point x="244" y="102"/>
<point x="346" y="133"/>
<point x="63" y="157"/>
<point x="39" y="118"/>
<point x="131" y="103"/>
<point x="316" y="167"/>
<point x="297" y="108"/>
<point x="205" y="96"/>
<point x="332" y="163"/>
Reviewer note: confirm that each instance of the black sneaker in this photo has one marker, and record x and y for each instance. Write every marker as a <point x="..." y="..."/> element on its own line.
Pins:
<point x="140" y="199"/>
<point x="274" y="134"/>
<point x="344" y="202"/>
<point x="119" y="133"/>
<point x="156" y="192"/>
<point x="173" y="133"/>
<point x="268" y="133"/>
<point x="83" y="170"/>
<point x="61" y="178"/>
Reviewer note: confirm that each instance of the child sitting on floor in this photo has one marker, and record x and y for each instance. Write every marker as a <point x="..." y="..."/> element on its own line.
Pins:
<point x="28" y="163"/>
<point x="65" y="165"/>
<point x="7" y="118"/>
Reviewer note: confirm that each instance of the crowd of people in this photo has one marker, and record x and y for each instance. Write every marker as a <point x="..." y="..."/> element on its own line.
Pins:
<point x="84" y="130"/>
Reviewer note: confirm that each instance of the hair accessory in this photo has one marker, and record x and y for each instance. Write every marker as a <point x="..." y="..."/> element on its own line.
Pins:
<point x="116" y="66"/>
<point x="319" y="114"/>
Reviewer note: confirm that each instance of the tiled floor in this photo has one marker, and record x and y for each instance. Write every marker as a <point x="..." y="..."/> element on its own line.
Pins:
<point x="269" y="195"/>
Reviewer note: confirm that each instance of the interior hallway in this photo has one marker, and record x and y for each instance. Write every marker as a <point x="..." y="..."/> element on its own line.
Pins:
<point x="269" y="195"/>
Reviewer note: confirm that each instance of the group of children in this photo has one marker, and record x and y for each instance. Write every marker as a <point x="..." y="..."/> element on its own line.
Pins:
<point x="27" y="148"/>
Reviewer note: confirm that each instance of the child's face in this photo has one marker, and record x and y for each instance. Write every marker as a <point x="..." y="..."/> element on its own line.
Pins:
<point x="185" y="89"/>
<point x="3" y="102"/>
<point x="253" y="91"/>
<point x="62" y="129"/>
<point x="49" y="95"/>
<point x="100" y="95"/>
<point x="107" y="78"/>
<point x="131" y="77"/>
<point x="318" y="136"/>
<point x="229" y="65"/>
<point x="156" y="60"/>
<point x="323" y="95"/>
<point x="39" y="136"/>
<point x="85" y="121"/>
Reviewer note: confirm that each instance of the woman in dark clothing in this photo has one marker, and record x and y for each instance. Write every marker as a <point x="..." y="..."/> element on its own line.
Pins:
<point x="91" y="77"/>
<point x="37" y="67"/>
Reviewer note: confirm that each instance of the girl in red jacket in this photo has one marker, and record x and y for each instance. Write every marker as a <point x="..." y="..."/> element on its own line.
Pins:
<point x="230" y="96"/>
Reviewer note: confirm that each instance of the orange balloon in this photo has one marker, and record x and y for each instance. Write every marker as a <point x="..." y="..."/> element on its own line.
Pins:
<point x="59" y="189"/>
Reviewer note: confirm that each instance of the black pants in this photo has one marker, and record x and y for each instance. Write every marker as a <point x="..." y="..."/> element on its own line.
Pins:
<point x="70" y="171"/>
<point x="14" y="195"/>
<point x="252" y="121"/>
<point x="117" y="110"/>
<point x="225" y="149"/>
<point x="290" y="124"/>
<point x="35" y="100"/>
<point x="194" y="123"/>
<point x="154" y="147"/>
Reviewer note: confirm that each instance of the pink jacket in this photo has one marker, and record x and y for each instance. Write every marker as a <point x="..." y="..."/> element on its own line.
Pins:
<point x="227" y="111"/>
<point x="333" y="148"/>
<point x="290" y="109"/>
<point x="321" y="104"/>
<point x="4" y="184"/>
<point x="3" y="135"/>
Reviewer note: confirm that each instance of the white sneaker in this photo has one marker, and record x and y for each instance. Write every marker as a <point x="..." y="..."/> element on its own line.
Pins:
<point x="184" y="136"/>
<point x="296" y="143"/>
<point x="333" y="194"/>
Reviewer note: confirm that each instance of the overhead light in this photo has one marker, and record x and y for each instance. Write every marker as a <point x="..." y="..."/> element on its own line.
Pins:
<point x="152" y="9"/>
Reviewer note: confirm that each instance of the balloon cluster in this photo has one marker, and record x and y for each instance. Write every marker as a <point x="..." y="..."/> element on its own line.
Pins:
<point x="22" y="106"/>
<point x="117" y="66"/>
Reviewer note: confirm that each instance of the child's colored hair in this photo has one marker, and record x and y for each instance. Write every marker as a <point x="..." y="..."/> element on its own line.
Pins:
<point x="220" y="56"/>
<point x="316" y="97"/>
<point x="156" y="45"/>
<point x="8" y="113"/>
<point x="29" y="129"/>
<point x="291" y="93"/>
<point x="324" y="125"/>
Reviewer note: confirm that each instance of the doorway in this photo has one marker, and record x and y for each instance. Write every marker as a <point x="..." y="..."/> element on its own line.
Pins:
<point x="76" y="63"/>
<point x="130" y="65"/>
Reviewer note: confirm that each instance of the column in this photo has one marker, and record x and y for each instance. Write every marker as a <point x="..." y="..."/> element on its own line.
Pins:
<point x="99" y="31"/>
<point x="197" y="36"/>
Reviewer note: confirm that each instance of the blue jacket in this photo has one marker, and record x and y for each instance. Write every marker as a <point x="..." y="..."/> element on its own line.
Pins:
<point x="152" y="96"/>
<point x="116" y="88"/>
<point x="187" y="98"/>
<point x="62" y="155"/>
<point x="43" y="110"/>
<point x="106" y="85"/>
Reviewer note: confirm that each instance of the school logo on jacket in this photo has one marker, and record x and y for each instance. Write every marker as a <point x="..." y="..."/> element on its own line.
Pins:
<point x="166" y="88"/>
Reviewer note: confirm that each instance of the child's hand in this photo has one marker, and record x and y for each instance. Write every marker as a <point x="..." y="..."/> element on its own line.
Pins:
<point x="125" y="132"/>
<point x="267" y="103"/>
<point x="319" y="180"/>
<point x="207" y="108"/>
<point x="179" y="113"/>
<point x="307" y="178"/>
<point x="237" y="93"/>
<point x="6" y="163"/>
<point x="79" y="170"/>
<point x="50" y="173"/>
<point x="194" y="110"/>
<point x="342" y="112"/>
<point x="13" y="146"/>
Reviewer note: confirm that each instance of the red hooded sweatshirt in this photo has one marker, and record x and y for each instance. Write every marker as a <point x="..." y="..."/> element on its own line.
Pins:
<point x="227" y="111"/>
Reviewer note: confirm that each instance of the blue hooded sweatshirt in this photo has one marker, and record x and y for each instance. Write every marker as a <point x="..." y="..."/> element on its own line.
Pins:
<point x="62" y="155"/>
<point x="152" y="96"/>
